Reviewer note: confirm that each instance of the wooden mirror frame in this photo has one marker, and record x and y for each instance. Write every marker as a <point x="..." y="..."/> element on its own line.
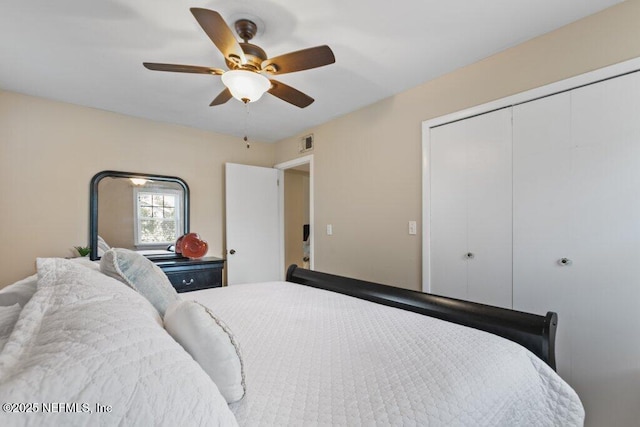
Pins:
<point x="93" y="205"/>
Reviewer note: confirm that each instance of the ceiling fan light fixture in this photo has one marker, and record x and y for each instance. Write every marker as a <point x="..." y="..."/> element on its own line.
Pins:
<point x="138" y="181"/>
<point x="246" y="86"/>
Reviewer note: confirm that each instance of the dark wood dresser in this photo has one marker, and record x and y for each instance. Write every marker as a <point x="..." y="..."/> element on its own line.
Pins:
<point x="193" y="274"/>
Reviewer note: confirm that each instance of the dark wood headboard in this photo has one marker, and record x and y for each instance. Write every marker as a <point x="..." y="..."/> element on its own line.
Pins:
<point x="534" y="332"/>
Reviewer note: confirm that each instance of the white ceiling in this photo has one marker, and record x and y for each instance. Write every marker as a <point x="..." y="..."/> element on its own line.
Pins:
<point x="91" y="52"/>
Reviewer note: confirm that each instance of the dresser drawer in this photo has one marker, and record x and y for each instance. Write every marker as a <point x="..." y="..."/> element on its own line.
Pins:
<point x="191" y="279"/>
<point x="193" y="274"/>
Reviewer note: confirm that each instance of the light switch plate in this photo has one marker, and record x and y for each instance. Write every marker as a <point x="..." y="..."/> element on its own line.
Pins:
<point x="413" y="227"/>
<point x="329" y="230"/>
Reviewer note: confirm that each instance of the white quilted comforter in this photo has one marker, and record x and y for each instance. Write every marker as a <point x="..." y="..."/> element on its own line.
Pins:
<point x="314" y="357"/>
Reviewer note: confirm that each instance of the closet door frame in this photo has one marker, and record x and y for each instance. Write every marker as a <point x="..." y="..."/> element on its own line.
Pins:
<point x="510" y="101"/>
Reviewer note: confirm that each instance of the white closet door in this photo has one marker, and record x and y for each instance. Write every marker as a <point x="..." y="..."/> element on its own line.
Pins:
<point x="605" y="226"/>
<point x="448" y="201"/>
<point x="489" y="209"/>
<point x="470" y="204"/>
<point x="576" y="196"/>
<point x="542" y="211"/>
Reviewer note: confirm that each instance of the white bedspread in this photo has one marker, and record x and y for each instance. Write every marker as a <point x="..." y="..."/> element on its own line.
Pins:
<point x="314" y="357"/>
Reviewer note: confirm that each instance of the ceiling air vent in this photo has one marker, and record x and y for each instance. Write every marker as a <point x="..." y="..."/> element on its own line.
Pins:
<point x="306" y="143"/>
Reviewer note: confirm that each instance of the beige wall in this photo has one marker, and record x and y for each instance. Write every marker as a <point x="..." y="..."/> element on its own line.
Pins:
<point x="115" y="218"/>
<point x="368" y="163"/>
<point x="50" y="150"/>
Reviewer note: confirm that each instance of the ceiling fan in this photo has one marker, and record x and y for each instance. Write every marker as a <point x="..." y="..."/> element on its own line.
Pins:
<point x="248" y="64"/>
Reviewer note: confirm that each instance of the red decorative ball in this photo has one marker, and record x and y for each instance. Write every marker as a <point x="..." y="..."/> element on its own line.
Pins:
<point x="192" y="246"/>
<point x="179" y="244"/>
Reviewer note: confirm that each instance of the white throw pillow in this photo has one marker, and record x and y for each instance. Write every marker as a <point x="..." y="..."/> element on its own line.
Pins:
<point x="94" y="265"/>
<point x="19" y="292"/>
<point x="8" y="318"/>
<point x="141" y="274"/>
<point x="102" y="247"/>
<point x="85" y="340"/>
<point x="210" y="343"/>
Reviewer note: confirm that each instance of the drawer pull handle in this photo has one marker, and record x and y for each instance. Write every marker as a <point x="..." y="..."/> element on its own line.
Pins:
<point x="470" y="255"/>
<point x="184" y="282"/>
<point x="564" y="261"/>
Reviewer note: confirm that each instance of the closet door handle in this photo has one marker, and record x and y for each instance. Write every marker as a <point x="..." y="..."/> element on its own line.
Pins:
<point x="565" y="261"/>
<point x="469" y="255"/>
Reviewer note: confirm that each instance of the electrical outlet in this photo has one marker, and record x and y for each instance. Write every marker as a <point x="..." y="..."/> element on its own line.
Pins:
<point x="329" y="230"/>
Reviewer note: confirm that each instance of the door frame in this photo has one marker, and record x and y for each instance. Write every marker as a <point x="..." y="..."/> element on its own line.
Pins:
<point x="589" y="77"/>
<point x="308" y="159"/>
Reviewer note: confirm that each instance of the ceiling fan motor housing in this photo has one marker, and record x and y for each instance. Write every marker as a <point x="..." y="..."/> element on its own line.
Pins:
<point x="246" y="29"/>
<point x="254" y="55"/>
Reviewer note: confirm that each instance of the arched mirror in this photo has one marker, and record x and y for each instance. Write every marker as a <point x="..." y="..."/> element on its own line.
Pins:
<point x="141" y="212"/>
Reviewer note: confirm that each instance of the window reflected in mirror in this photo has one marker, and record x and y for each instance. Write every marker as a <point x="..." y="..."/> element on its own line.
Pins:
<point x="156" y="216"/>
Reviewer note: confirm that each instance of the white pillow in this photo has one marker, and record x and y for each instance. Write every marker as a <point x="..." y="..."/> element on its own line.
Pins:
<point x="19" y="292"/>
<point x="8" y="318"/>
<point x="84" y="339"/>
<point x="210" y="343"/>
<point x="102" y="246"/>
<point x="141" y="274"/>
<point x="94" y="265"/>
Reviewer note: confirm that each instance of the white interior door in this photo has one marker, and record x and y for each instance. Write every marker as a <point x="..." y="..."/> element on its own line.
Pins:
<point x="605" y="226"/>
<point x="489" y="208"/>
<point x="470" y="209"/>
<point x="576" y="181"/>
<point x="252" y="224"/>
<point x="542" y="212"/>
<point x="448" y="222"/>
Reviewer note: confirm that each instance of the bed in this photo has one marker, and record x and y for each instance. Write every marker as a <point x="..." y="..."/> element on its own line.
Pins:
<point x="317" y="349"/>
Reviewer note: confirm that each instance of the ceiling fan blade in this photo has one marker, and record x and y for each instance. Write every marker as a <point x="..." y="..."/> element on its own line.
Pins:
<point x="289" y="94"/>
<point x="305" y="59"/>
<point x="222" y="97"/>
<point x="176" y="68"/>
<point x="219" y="33"/>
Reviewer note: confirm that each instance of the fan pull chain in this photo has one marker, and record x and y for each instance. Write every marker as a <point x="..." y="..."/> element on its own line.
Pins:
<point x="246" y="124"/>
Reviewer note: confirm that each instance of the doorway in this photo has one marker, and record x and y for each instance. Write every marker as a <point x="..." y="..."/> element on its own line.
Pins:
<point x="296" y="212"/>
